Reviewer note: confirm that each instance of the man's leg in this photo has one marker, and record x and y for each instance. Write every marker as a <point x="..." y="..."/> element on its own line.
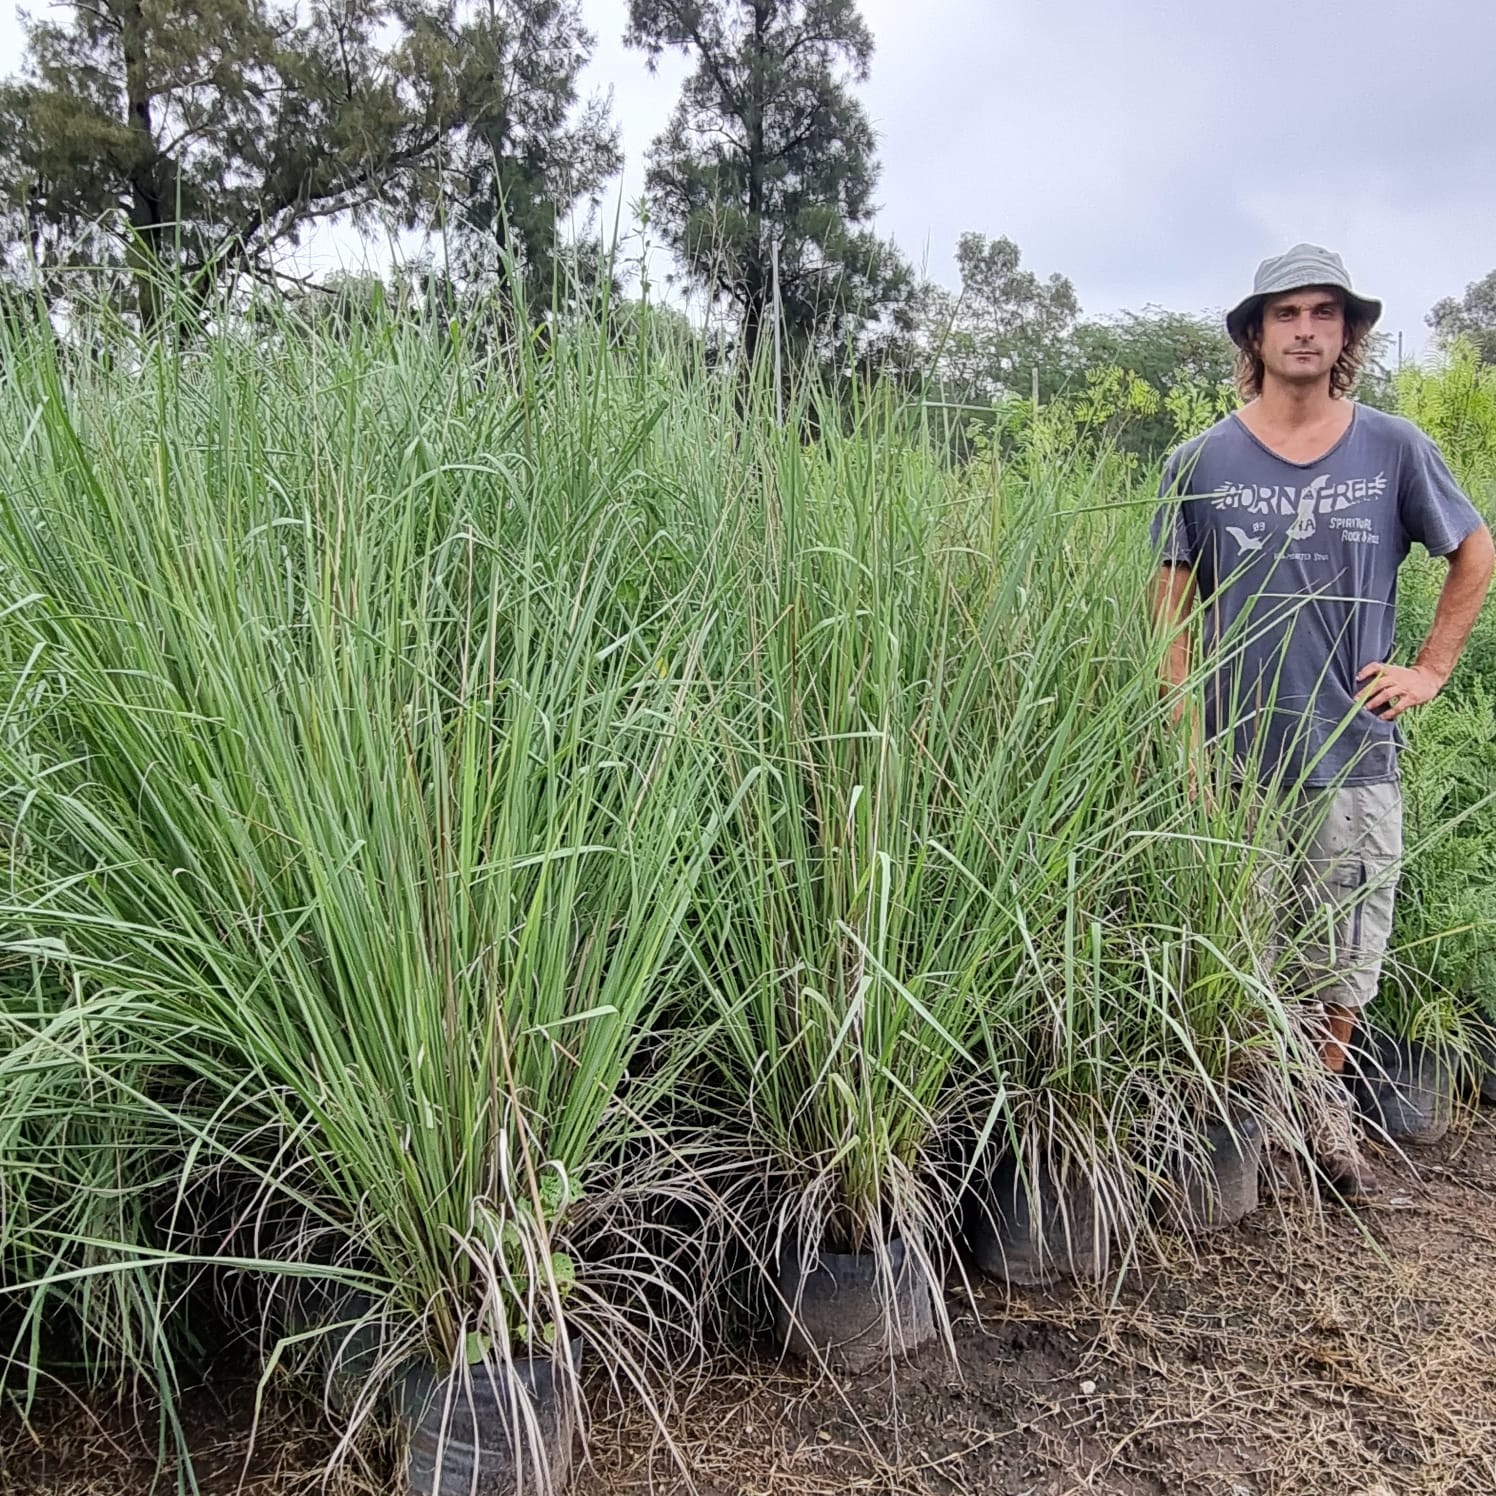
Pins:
<point x="1347" y="888"/>
<point x="1340" y="1029"/>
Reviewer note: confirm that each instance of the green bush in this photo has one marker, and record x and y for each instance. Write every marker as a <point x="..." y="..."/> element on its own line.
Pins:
<point x="1444" y="935"/>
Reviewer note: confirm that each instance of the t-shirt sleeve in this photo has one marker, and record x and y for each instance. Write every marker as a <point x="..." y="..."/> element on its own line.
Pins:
<point x="1433" y="509"/>
<point x="1169" y="531"/>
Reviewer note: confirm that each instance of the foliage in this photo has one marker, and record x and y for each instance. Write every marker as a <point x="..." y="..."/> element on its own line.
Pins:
<point x="526" y="157"/>
<point x="1002" y="328"/>
<point x="1471" y="319"/>
<point x="957" y="890"/>
<point x="1194" y="408"/>
<point x="189" y="143"/>
<point x="1376" y="385"/>
<point x="1446" y="913"/>
<point x="769" y="145"/>
<point x="482" y="820"/>
<point x="1078" y="434"/>
<point x="1455" y="403"/>
<point x="1444" y="936"/>
<point x="1187" y="360"/>
<point x="350" y="825"/>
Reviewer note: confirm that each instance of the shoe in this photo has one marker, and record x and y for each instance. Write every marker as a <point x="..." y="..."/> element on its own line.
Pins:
<point x="1348" y="1174"/>
<point x="1338" y="1155"/>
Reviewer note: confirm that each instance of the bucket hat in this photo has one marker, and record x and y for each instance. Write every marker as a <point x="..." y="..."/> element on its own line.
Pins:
<point x="1303" y="265"/>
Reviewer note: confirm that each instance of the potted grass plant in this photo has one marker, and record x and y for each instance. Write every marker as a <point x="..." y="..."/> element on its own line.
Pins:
<point x="381" y="810"/>
<point x="1427" y="1018"/>
<point x="1139" y="1040"/>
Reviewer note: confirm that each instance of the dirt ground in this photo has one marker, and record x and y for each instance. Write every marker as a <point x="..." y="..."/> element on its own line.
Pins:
<point x="1353" y="1354"/>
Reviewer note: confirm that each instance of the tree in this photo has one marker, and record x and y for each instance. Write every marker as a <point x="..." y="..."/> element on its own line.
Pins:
<point x="527" y="158"/>
<point x="1168" y="351"/>
<point x="1472" y="318"/>
<point x="768" y="145"/>
<point x="1005" y="323"/>
<point x="198" y="140"/>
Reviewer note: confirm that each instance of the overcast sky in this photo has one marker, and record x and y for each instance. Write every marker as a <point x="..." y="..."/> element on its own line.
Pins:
<point x="1155" y="150"/>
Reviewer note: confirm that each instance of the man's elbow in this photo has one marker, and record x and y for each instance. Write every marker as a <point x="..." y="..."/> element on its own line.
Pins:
<point x="1475" y="556"/>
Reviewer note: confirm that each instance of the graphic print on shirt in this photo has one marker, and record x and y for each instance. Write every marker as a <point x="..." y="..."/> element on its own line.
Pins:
<point x="1318" y="499"/>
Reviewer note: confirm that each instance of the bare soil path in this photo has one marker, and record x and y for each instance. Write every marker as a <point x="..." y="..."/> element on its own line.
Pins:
<point x="1349" y="1355"/>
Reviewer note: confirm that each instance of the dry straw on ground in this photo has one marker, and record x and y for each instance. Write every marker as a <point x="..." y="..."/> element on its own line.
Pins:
<point x="1290" y="1357"/>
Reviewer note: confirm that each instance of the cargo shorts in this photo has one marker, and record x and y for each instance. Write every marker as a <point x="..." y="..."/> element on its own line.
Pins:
<point x="1344" y="854"/>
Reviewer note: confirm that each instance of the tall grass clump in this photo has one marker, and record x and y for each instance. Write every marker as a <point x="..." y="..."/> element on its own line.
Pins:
<point x="490" y="819"/>
<point x="966" y="905"/>
<point x="1443" y="972"/>
<point x="348" y="807"/>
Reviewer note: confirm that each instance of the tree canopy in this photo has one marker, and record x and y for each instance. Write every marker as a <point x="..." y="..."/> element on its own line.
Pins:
<point x="1472" y="317"/>
<point x="527" y="155"/>
<point x="204" y="138"/>
<point x="988" y="339"/>
<point x="1168" y="351"/>
<point x="767" y="145"/>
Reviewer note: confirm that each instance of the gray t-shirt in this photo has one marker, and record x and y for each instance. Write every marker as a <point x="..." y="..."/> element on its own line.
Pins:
<point x="1296" y="565"/>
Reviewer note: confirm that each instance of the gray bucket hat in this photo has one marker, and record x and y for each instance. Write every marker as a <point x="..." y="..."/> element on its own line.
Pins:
<point x="1303" y="265"/>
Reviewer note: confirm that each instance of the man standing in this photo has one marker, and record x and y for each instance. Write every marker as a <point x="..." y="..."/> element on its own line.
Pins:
<point x="1288" y="521"/>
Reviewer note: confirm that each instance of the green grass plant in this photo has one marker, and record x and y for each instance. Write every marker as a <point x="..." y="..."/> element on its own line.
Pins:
<point x="492" y="816"/>
<point x="345" y="800"/>
<point x="967" y="904"/>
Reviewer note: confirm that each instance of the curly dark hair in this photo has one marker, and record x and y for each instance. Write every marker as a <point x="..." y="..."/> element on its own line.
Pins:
<point x="1249" y="366"/>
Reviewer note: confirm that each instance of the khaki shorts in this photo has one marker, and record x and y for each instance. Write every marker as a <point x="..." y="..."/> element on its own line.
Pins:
<point x="1344" y="854"/>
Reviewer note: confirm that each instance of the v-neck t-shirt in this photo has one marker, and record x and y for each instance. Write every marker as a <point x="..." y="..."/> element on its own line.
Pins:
<point x="1296" y="566"/>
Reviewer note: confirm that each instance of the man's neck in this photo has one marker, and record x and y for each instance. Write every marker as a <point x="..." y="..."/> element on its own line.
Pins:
<point x="1297" y="407"/>
<point x="1299" y="423"/>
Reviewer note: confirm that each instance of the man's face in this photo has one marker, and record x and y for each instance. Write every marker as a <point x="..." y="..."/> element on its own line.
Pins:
<point x="1303" y="333"/>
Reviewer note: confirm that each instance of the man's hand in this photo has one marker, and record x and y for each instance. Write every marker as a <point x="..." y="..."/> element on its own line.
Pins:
<point x="1395" y="688"/>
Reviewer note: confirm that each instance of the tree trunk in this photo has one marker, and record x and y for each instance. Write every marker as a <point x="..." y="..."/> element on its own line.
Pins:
<point x="146" y="216"/>
<point x="756" y="279"/>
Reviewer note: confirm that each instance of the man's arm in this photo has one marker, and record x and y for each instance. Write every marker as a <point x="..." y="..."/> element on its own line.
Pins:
<point x="1173" y="597"/>
<point x="1395" y="688"/>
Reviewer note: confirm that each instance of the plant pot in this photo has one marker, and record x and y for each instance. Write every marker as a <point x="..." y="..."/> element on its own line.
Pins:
<point x="1030" y="1238"/>
<point x="839" y="1309"/>
<point x="351" y="1352"/>
<point x="502" y="1431"/>
<point x="351" y="1341"/>
<point x="1406" y="1091"/>
<point x="1219" y="1186"/>
<point x="1485" y="1049"/>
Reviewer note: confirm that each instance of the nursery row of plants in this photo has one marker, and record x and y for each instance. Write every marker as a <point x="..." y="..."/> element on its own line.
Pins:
<point x="508" y="847"/>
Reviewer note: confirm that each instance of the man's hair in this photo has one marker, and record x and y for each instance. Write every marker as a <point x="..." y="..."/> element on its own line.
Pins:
<point x="1249" y="366"/>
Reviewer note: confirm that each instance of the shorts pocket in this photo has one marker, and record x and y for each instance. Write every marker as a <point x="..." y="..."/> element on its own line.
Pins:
<point x="1334" y="908"/>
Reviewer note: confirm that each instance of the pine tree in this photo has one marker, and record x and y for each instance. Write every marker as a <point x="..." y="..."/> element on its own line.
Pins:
<point x="201" y="138"/>
<point x="768" y="144"/>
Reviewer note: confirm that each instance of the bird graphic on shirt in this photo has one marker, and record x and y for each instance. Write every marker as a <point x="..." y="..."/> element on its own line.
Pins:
<point x="1245" y="542"/>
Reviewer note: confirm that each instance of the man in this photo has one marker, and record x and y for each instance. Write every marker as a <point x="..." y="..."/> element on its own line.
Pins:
<point x="1288" y="521"/>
